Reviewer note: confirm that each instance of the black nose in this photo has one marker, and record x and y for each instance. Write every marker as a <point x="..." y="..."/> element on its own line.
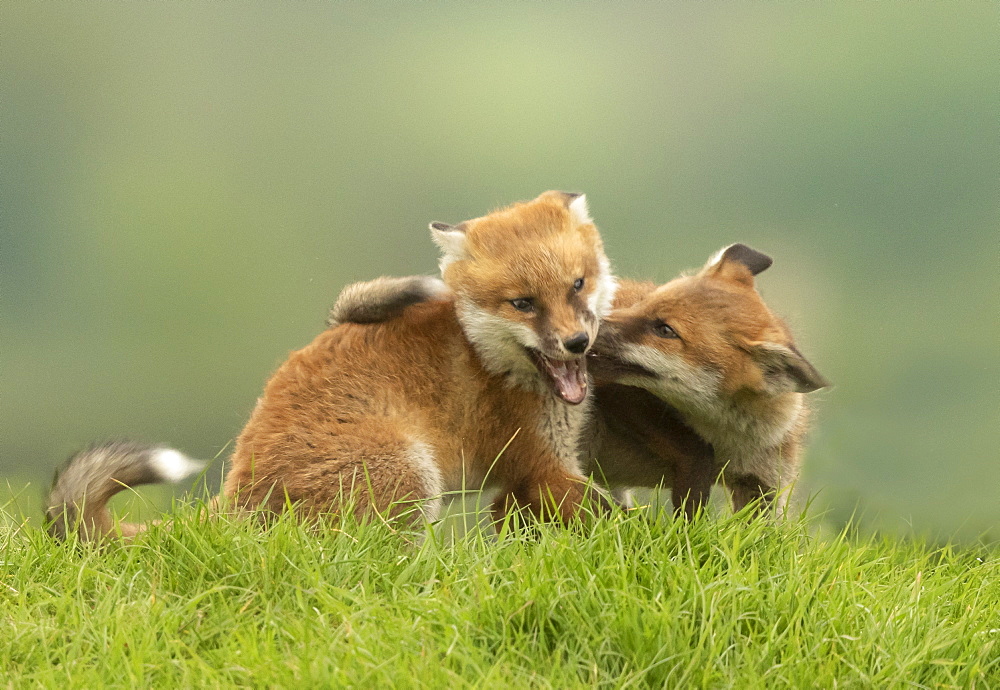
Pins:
<point x="578" y="343"/>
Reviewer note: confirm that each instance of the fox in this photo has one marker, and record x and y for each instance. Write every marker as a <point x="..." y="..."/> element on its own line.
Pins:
<point x="483" y="383"/>
<point x="697" y="381"/>
<point x="708" y="347"/>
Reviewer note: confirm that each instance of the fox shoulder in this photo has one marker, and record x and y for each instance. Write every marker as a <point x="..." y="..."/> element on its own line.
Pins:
<point x="382" y="299"/>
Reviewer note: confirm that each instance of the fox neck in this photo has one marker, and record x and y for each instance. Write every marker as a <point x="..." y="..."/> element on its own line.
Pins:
<point x="562" y="426"/>
<point x="746" y="431"/>
<point x="498" y="343"/>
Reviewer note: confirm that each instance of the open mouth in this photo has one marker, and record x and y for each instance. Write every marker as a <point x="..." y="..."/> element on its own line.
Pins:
<point x="567" y="378"/>
<point x="607" y="368"/>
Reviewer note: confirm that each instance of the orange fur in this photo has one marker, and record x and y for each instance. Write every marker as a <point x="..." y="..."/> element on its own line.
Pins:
<point x="732" y="379"/>
<point x="465" y="390"/>
<point x="409" y="408"/>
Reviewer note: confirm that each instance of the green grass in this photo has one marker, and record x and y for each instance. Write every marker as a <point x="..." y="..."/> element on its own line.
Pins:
<point x="628" y="601"/>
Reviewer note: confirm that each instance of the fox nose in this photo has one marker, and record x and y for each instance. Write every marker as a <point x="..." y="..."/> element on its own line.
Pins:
<point x="578" y="343"/>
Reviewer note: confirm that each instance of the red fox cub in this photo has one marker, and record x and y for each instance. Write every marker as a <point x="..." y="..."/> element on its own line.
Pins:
<point x="485" y="386"/>
<point x="708" y="347"/>
<point x="714" y="381"/>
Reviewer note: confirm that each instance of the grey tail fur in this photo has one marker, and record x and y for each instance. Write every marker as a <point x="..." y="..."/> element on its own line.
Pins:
<point x="78" y="499"/>
<point x="382" y="299"/>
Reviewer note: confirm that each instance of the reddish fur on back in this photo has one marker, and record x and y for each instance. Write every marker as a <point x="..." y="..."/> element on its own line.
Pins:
<point x="411" y="407"/>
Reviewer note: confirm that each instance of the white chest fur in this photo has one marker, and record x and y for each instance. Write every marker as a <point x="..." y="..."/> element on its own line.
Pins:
<point x="561" y="426"/>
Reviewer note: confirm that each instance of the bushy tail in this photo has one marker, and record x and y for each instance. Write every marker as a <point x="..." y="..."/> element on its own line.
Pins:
<point x="78" y="500"/>
<point x="379" y="300"/>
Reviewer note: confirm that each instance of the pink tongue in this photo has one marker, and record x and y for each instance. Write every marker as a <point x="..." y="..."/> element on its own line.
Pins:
<point x="570" y="379"/>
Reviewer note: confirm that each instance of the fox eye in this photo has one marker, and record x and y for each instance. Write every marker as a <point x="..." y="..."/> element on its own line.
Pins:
<point x="523" y="304"/>
<point x="578" y="284"/>
<point x="664" y="331"/>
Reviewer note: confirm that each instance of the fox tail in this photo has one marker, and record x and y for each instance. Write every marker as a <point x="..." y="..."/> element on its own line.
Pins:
<point x="78" y="499"/>
<point x="381" y="299"/>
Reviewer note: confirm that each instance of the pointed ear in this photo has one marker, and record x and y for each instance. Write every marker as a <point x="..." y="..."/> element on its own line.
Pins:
<point x="738" y="262"/>
<point x="451" y="240"/>
<point x="578" y="211"/>
<point x="574" y="202"/>
<point x="785" y="369"/>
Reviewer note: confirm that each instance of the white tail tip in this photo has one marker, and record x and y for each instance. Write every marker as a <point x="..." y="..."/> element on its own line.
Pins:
<point x="173" y="466"/>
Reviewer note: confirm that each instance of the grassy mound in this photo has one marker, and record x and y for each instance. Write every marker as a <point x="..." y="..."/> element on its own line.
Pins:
<point x="627" y="601"/>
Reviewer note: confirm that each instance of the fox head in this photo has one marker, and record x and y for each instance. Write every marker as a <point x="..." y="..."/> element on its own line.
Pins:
<point x="706" y="338"/>
<point x="531" y="283"/>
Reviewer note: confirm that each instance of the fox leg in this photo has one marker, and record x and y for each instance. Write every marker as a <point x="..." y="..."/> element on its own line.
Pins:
<point x="623" y="496"/>
<point x="692" y="487"/>
<point x="747" y="488"/>
<point x="559" y="496"/>
<point x="370" y="466"/>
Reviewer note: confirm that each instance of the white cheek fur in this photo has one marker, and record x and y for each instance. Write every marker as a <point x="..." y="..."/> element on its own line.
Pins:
<point x="499" y="341"/>
<point x="676" y="381"/>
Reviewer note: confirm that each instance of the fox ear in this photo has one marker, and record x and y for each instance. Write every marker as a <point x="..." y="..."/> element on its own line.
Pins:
<point x="738" y="262"/>
<point x="785" y="369"/>
<point x="578" y="211"/>
<point x="574" y="202"/>
<point x="451" y="239"/>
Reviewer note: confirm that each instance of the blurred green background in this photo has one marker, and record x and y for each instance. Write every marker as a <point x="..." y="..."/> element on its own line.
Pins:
<point x="184" y="189"/>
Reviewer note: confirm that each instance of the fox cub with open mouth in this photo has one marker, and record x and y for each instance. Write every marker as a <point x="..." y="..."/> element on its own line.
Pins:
<point x="698" y="381"/>
<point x="482" y="384"/>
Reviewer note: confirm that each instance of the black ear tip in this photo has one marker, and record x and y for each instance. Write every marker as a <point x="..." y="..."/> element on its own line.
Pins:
<point x="754" y="260"/>
<point x="437" y="225"/>
<point x="568" y="198"/>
